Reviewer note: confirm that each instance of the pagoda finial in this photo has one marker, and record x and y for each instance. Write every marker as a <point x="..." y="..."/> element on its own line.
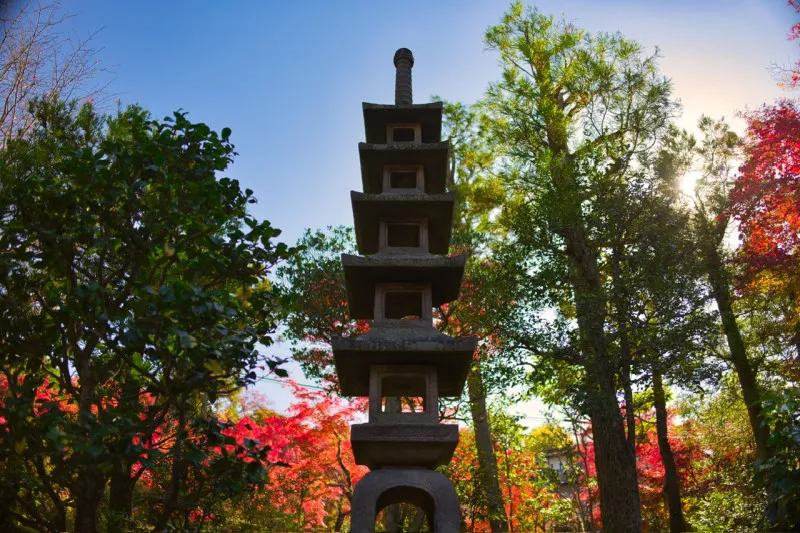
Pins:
<point x="403" y="61"/>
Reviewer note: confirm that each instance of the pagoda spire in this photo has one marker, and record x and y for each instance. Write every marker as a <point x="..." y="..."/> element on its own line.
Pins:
<point x="403" y="62"/>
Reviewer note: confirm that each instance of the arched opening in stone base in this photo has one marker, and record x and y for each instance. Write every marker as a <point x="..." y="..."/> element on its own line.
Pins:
<point x="404" y="510"/>
<point x="429" y="490"/>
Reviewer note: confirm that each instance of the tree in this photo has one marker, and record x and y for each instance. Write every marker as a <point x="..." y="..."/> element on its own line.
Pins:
<point x="653" y="471"/>
<point x="790" y="76"/>
<point x="134" y="288"/>
<point x="672" y="334"/>
<point x="313" y="487"/>
<point x="763" y="200"/>
<point x="532" y="490"/>
<point x="573" y="112"/>
<point x="711" y="219"/>
<point x="224" y="461"/>
<point x="478" y="191"/>
<point x="781" y="471"/>
<point x="720" y="493"/>
<point x="38" y="61"/>
<point x="314" y="300"/>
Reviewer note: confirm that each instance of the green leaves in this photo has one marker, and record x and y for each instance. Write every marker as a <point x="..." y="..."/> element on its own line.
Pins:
<point x="187" y="340"/>
<point x="131" y="276"/>
<point x="313" y="298"/>
<point x="781" y="413"/>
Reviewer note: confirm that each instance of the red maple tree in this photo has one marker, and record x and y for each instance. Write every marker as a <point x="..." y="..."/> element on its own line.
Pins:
<point x="766" y="196"/>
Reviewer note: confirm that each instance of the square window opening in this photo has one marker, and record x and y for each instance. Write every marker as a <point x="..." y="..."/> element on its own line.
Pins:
<point x="403" y="135"/>
<point x="403" y="235"/>
<point x="403" y="179"/>
<point x="408" y="390"/>
<point x="403" y="305"/>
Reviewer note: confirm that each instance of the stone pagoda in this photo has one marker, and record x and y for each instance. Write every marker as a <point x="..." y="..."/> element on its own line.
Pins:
<point x="403" y="224"/>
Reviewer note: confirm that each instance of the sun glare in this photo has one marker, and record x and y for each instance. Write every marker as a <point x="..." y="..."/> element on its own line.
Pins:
<point x="688" y="182"/>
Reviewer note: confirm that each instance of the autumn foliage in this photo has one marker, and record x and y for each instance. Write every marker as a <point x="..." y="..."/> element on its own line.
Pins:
<point x="766" y="196"/>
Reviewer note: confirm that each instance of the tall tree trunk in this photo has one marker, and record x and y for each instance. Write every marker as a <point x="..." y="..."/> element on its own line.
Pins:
<point x="347" y="491"/>
<point x="487" y="461"/>
<point x="177" y="474"/>
<point x="672" y="489"/>
<point x="626" y="357"/>
<point x="340" y="515"/>
<point x="88" y="495"/>
<point x="795" y="339"/>
<point x="630" y="414"/>
<point x="615" y="462"/>
<point x="122" y="482"/>
<point x="616" y="466"/>
<point x="90" y="484"/>
<point x="720" y="288"/>
<point x="121" y="489"/>
<point x="7" y="501"/>
<point x="509" y="491"/>
<point x="584" y="514"/>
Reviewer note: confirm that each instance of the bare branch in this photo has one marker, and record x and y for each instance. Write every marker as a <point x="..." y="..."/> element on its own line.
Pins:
<point x="38" y="61"/>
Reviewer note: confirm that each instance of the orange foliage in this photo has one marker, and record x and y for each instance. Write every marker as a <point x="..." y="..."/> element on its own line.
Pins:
<point x="766" y="196"/>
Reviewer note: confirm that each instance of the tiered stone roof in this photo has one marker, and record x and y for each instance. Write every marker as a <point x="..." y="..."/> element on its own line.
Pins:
<point x="403" y="225"/>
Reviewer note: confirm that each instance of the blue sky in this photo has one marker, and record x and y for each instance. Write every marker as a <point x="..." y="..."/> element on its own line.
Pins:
<point x="289" y="77"/>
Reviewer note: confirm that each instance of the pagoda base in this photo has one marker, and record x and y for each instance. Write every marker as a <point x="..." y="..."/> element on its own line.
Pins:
<point x="429" y="490"/>
<point x="403" y="445"/>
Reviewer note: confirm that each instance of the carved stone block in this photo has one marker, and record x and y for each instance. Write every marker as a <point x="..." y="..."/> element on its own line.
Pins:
<point x="422" y="445"/>
<point x="429" y="490"/>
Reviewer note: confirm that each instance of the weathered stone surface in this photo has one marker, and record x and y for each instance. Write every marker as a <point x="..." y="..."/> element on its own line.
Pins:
<point x="369" y="209"/>
<point x="378" y="116"/>
<point x="353" y="356"/>
<point x="397" y="286"/>
<point x="433" y="158"/>
<point x="429" y="490"/>
<point x="403" y="61"/>
<point x="424" y="445"/>
<point x="363" y="273"/>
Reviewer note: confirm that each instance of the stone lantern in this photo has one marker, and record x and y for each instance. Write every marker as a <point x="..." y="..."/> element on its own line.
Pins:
<point x="403" y="224"/>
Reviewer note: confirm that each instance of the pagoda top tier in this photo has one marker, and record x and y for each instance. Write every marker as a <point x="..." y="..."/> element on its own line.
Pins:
<point x="404" y="121"/>
<point x="379" y="117"/>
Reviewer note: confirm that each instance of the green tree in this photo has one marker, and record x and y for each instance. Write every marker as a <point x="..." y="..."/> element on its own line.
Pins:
<point x="314" y="300"/>
<point x="478" y="191"/>
<point x="672" y="333"/>
<point x="781" y="472"/>
<point x="724" y="497"/>
<point x="574" y="112"/>
<point x="134" y="292"/>
<point x="716" y="155"/>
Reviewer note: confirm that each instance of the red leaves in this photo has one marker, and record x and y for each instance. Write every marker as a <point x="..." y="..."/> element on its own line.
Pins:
<point x="312" y="444"/>
<point x="794" y="31"/>
<point x="765" y="199"/>
<point x="791" y="76"/>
